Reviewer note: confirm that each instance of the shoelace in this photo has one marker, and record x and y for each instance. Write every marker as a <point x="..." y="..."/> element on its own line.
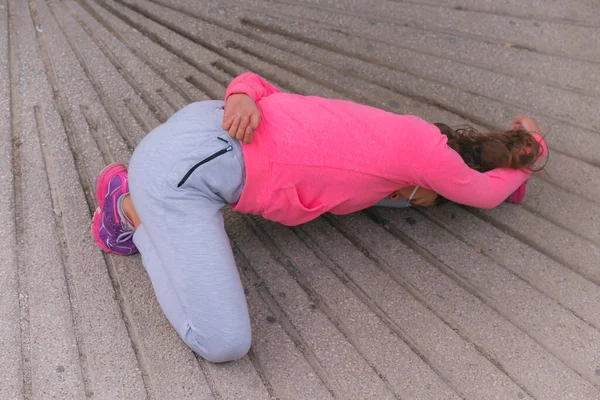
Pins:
<point x="125" y="236"/>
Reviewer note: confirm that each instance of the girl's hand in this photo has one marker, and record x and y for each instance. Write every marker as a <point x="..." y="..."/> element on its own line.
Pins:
<point x="423" y="197"/>
<point x="241" y="117"/>
<point x="523" y="122"/>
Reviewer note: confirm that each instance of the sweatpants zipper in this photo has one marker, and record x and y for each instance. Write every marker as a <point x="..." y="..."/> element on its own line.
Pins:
<point x="207" y="159"/>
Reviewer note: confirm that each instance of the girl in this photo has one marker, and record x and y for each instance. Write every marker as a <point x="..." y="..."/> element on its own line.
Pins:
<point x="289" y="158"/>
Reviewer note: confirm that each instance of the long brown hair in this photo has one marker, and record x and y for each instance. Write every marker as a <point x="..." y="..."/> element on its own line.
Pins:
<point x="516" y="149"/>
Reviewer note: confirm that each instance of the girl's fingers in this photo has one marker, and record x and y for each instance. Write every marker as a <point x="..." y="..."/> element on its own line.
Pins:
<point x="242" y="128"/>
<point x="418" y="200"/>
<point x="254" y="121"/>
<point x="227" y="125"/>
<point x="525" y="123"/>
<point x="234" y="126"/>
<point x="248" y="135"/>
<point x="227" y="120"/>
<point x="252" y="126"/>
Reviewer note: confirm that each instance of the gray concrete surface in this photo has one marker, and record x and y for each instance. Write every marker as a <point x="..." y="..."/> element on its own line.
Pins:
<point x="443" y="303"/>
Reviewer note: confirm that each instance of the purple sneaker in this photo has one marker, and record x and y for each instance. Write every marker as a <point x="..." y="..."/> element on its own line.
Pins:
<point x="112" y="230"/>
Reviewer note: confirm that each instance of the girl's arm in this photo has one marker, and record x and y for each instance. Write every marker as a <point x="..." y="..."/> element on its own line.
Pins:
<point x="252" y="85"/>
<point x="449" y="176"/>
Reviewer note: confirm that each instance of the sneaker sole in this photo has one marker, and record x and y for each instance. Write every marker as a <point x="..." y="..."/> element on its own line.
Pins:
<point x="102" y="182"/>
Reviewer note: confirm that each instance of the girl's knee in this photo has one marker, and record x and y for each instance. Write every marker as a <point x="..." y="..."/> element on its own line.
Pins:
<point x="221" y="346"/>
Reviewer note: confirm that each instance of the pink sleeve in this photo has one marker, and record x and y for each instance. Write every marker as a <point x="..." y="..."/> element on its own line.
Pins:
<point x="450" y="177"/>
<point x="251" y="84"/>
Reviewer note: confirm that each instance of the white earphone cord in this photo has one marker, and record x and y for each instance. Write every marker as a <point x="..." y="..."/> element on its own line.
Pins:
<point x="412" y="195"/>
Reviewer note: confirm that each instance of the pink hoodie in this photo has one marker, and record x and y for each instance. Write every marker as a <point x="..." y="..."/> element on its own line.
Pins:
<point x="312" y="155"/>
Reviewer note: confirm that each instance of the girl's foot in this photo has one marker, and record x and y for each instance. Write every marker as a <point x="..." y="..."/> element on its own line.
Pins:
<point x="518" y="195"/>
<point x="111" y="228"/>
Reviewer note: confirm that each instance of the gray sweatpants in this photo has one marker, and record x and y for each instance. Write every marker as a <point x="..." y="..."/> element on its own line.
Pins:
<point x="180" y="176"/>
